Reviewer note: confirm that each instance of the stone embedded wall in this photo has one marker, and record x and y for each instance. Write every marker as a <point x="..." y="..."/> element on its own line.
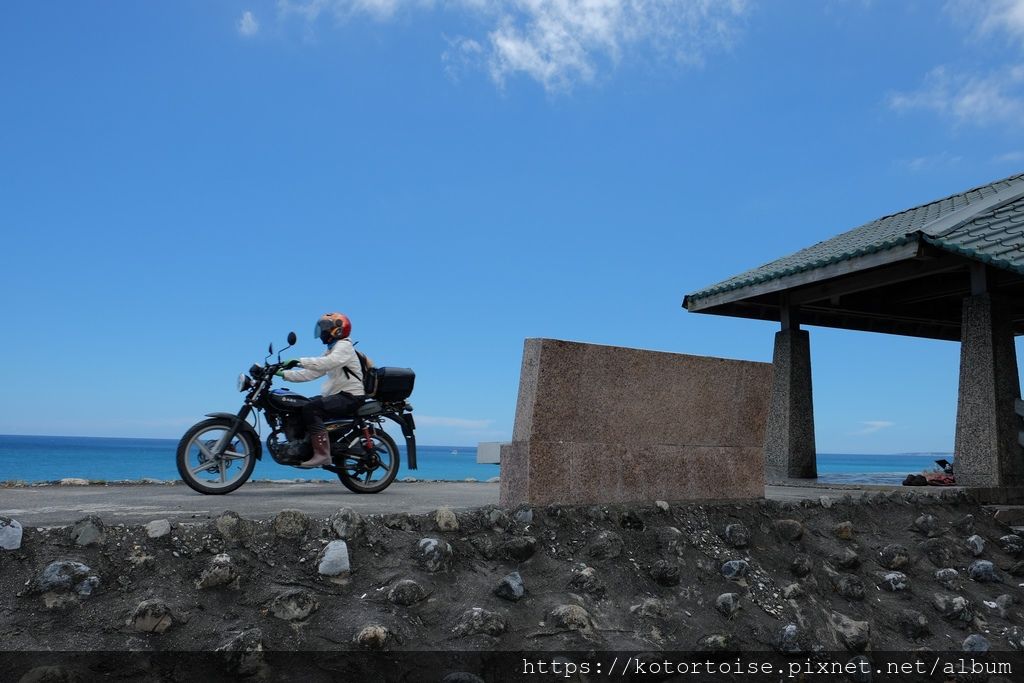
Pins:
<point x="601" y="424"/>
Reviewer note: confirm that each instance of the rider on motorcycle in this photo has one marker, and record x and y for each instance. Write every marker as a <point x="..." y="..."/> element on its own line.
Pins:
<point x="342" y="390"/>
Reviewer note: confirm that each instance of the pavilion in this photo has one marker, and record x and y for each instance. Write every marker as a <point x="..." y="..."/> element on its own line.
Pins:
<point x="951" y="269"/>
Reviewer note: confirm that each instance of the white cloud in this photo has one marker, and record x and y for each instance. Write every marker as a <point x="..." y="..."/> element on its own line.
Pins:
<point x="455" y="422"/>
<point x="247" y="25"/>
<point x="560" y="43"/>
<point x="987" y="17"/>
<point x="872" y="426"/>
<point x="930" y="162"/>
<point x="1013" y="157"/>
<point x="968" y="99"/>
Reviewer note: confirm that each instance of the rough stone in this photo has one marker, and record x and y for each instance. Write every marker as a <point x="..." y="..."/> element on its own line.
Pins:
<point x="894" y="582"/>
<point x="630" y="519"/>
<point x="715" y="642"/>
<point x="294" y="605"/>
<point x="789" y="448"/>
<point x="848" y="586"/>
<point x="927" y="525"/>
<point x="938" y="551"/>
<point x="158" y="528"/>
<point x="665" y="573"/>
<point x="152" y="616"/>
<point x="1003" y="604"/>
<point x="1012" y="544"/>
<point x="846" y="559"/>
<point x="10" y="533"/>
<point x="789" y="641"/>
<point x="982" y="571"/>
<point x="913" y="624"/>
<point x="477" y="620"/>
<point x="669" y="540"/>
<point x="855" y="635"/>
<point x="511" y="587"/>
<point x="801" y="565"/>
<point x="373" y="637"/>
<point x="735" y="569"/>
<point x="650" y="607"/>
<point x="825" y="502"/>
<point x="571" y="617"/>
<point x="233" y="527"/>
<point x="519" y="548"/>
<point x="606" y="545"/>
<point x="789" y="529"/>
<point x="975" y="643"/>
<point x="727" y="604"/>
<point x="975" y="545"/>
<point x="948" y="577"/>
<point x="400" y="521"/>
<point x="844" y="531"/>
<point x="953" y="608"/>
<point x="793" y="591"/>
<point x="661" y="505"/>
<point x="445" y="520"/>
<point x="586" y="580"/>
<point x="347" y="524"/>
<point x="434" y="554"/>
<point x="893" y="556"/>
<point x="736" y="535"/>
<point x="68" y="576"/>
<point x="497" y="518"/>
<point x="220" y="572"/>
<point x="524" y="515"/>
<point x="290" y="524"/>
<point x="406" y="592"/>
<point x="334" y="560"/>
<point x="88" y="531"/>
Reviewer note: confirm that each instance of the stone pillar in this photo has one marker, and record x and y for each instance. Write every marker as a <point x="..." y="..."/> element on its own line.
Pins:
<point x="987" y="453"/>
<point x="789" y="450"/>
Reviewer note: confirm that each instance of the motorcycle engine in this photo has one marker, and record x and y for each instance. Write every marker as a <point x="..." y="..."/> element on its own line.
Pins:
<point x="288" y="452"/>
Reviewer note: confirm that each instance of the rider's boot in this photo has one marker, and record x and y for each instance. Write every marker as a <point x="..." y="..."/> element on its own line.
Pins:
<point x="321" y="451"/>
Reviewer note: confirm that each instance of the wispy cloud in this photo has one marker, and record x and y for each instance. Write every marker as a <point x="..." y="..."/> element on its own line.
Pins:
<point x="560" y="43"/>
<point x="872" y="426"/>
<point x="247" y="25"/>
<point x="968" y="99"/>
<point x="453" y="422"/>
<point x="930" y="162"/>
<point x="1013" y="157"/>
<point x="987" y="17"/>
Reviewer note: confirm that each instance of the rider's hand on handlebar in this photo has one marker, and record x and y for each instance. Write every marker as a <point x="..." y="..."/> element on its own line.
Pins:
<point x="289" y="364"/>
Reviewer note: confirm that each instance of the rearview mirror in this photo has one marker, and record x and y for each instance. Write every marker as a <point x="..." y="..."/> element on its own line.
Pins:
<point x="291" y="338"/>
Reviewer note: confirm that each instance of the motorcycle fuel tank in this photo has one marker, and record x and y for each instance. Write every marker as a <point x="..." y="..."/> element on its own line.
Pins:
<point x="283" y="399"/>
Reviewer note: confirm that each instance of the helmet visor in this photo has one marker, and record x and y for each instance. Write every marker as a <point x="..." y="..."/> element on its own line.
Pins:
<point x="323" y="329"/>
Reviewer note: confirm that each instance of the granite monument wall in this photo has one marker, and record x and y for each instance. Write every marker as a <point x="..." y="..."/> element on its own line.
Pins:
<point x="604" y="424"/>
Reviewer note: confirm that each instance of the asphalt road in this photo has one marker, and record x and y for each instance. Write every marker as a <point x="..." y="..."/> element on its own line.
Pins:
<point x="134" y="504"/>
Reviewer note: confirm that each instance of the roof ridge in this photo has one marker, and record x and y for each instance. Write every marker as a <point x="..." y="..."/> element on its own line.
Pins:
<point x="1010" y="178"/>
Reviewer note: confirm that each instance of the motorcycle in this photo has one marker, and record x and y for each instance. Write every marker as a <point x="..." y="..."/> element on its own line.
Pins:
<point x="218" y="455"/>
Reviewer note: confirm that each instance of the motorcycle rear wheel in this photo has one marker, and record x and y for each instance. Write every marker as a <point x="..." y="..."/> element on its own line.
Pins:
<point x="352" y="470"/>
<point x="195" y="449"/>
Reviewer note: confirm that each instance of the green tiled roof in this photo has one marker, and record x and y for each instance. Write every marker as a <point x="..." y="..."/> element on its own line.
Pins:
<point x="993" y="233"/>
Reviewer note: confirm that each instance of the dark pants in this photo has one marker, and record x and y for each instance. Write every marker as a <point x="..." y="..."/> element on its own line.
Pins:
<point x="339" y="405"/>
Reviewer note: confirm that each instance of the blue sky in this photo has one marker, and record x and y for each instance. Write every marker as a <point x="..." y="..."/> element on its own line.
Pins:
<point x="181" y="183"/>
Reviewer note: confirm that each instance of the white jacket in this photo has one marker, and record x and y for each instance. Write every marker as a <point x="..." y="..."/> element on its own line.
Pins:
<point x="336" y="358"/>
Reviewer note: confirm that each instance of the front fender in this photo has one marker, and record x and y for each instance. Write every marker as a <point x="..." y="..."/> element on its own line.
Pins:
<point x="243" y="426"/>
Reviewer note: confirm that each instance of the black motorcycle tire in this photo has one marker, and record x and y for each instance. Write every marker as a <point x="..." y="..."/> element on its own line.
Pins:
<point x="182" y="458"/>
<point x="350" y="483"/>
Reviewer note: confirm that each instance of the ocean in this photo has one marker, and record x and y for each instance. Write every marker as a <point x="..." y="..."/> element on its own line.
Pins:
<point x="49" y="458"/>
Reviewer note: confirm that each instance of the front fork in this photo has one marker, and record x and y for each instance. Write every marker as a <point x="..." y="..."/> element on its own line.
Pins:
<point x="229" y="436"/>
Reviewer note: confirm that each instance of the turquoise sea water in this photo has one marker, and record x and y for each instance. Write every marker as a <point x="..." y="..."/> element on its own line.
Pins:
<point x="48" y="458"/>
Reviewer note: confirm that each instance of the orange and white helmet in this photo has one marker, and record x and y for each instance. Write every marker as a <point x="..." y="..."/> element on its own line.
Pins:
<point x="331" y="327"/>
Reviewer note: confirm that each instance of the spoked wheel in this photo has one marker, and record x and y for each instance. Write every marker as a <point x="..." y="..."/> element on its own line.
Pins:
<point x="209" y="466"/>
<point x="372" y="471"/>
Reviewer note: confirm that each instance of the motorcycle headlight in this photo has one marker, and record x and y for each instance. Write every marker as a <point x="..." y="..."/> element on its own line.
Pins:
<point x="244" y="382"/>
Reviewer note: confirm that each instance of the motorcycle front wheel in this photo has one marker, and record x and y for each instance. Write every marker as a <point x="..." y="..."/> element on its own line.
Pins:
<point x="210" y="467"/>
<point x="369" y="471"/>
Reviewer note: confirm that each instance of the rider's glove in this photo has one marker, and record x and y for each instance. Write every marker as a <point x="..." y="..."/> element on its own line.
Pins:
<point x="293" y="363"/>
<point x="279" y="373"/>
